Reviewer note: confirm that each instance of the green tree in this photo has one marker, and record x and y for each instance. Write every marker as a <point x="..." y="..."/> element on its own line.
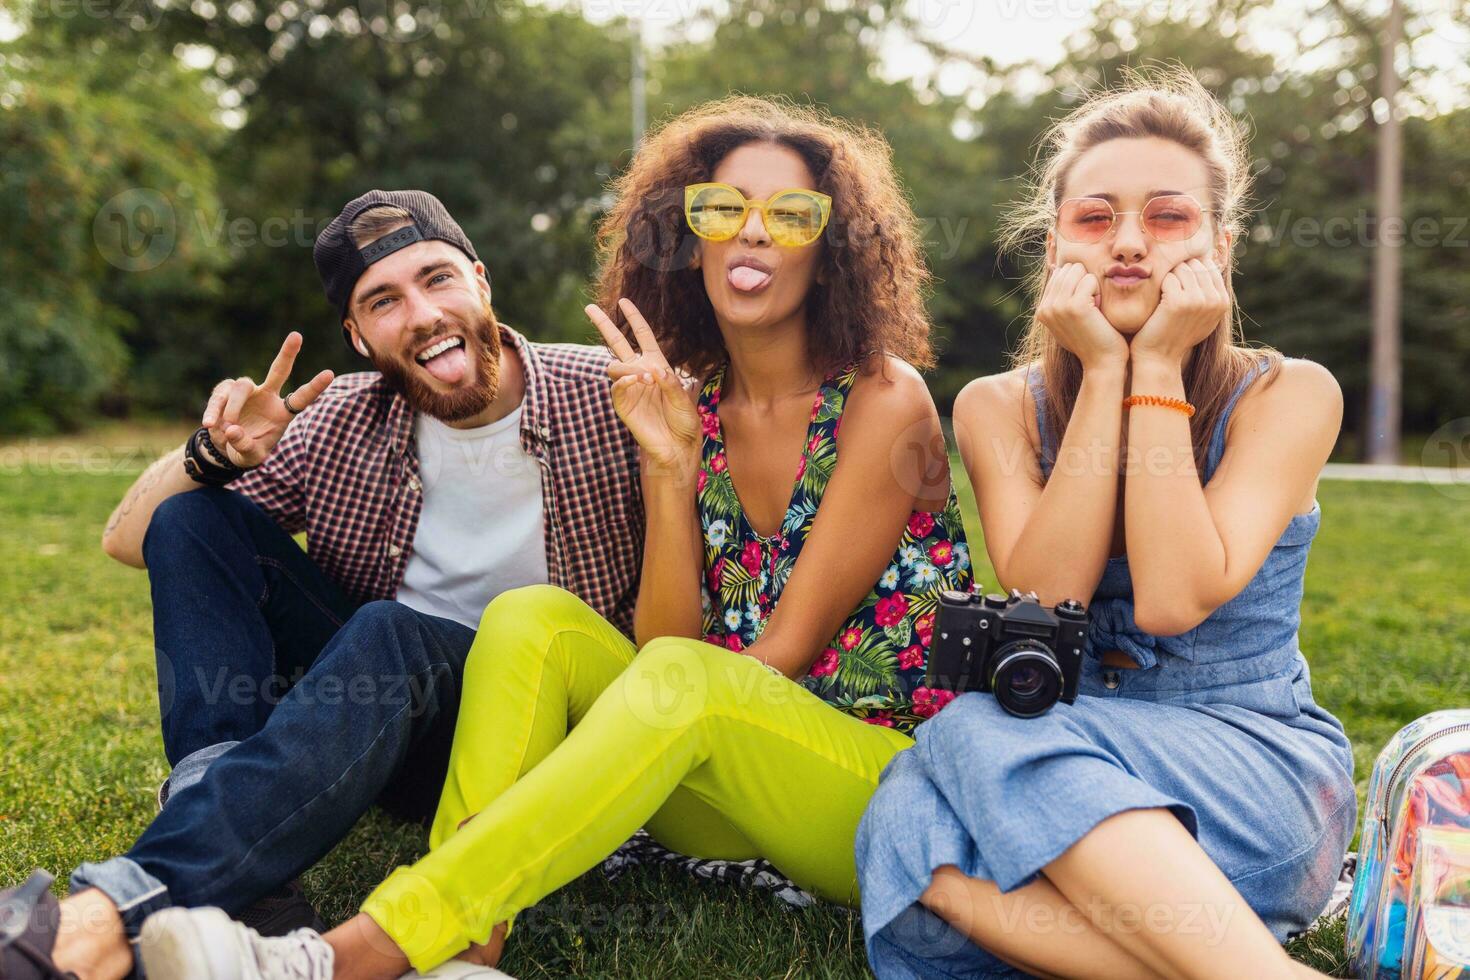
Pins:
<point x="513" y="115"/>
<point x="97" y="140"/>
<point x="166" y="214"/>
<point x="1304" y="266"/>
<point x="830" y="55"/>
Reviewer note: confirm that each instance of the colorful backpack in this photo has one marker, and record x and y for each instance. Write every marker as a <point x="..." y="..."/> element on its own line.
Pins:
<point x="1410" y="909"/>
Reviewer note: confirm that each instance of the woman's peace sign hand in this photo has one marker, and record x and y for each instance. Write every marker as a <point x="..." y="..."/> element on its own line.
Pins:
<point x="647" y="394"/>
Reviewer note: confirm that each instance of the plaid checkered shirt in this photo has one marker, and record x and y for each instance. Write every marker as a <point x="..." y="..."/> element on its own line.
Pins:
<point x="346" y="472"/>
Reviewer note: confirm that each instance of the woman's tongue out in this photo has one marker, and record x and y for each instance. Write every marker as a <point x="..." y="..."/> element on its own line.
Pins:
<point x="449" y="366"/>
<point x="748" y="279"/>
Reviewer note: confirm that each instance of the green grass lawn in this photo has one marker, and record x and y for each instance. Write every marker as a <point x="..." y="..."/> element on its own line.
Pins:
<point x="1386" y="627"/>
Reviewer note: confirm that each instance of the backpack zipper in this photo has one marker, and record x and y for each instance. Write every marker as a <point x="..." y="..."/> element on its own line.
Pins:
<point x="1398" y="769"/>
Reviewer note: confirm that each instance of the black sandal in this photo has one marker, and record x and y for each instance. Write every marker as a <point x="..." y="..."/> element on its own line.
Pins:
<point x="30" y="918"/>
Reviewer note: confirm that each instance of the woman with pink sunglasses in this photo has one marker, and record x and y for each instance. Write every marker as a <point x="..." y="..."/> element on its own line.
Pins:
<point x="1191" y="808"/>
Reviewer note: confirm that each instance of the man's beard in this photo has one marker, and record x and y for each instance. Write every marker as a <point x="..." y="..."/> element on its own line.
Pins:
<point x="482" y="355"/>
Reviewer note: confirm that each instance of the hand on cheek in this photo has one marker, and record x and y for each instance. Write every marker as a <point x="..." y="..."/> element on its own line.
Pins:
<point x="1070" y="310"/>
<point x="1192" y="301"/>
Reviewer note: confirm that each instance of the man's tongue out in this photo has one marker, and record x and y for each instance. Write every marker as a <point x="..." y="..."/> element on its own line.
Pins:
<point x="449" y="367"/>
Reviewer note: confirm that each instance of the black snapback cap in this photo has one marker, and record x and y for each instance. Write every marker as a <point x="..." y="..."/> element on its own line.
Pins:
<point x="339" y="261"/>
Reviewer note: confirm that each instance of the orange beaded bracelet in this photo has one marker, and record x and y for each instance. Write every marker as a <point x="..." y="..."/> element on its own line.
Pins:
<point x="1178" y="404"/>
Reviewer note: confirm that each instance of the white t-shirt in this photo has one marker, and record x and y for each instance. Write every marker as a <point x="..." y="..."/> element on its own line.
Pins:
<point x="482" y="528"/>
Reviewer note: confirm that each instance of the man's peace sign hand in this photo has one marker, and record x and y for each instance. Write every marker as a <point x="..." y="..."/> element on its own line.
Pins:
<point x="246" y="420"/>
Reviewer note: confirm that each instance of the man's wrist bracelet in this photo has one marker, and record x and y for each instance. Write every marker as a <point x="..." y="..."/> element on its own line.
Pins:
<point x="206" y="463"/>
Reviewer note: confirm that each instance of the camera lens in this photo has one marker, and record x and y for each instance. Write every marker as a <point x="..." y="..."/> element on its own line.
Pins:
<point x="1026" y="680"/>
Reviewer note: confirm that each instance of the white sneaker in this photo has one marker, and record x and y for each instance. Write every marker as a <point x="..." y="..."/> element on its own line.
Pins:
<point x="206" y="944"/>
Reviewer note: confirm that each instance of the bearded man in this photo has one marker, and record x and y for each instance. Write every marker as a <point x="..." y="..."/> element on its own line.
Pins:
<point x="297" y="688"/>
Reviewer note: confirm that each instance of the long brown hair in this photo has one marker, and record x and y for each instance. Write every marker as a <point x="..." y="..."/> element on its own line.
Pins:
<point x="1171" y="104"/>
<point x="871" y="287"/>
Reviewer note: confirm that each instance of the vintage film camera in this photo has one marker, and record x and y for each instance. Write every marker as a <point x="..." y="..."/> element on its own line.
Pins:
<point x="1025" y="654"/>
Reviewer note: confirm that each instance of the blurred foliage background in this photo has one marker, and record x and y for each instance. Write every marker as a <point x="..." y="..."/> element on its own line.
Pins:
<point x="167" y="163"/>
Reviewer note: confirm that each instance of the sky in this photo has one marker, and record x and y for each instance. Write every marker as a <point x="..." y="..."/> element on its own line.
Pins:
<point x="1020" y="31"/>
<point x="1007" y="30"/>
<point x="1035" y="32"/>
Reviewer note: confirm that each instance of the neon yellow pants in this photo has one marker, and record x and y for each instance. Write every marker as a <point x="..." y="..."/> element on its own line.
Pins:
<point x="569" y="740"/>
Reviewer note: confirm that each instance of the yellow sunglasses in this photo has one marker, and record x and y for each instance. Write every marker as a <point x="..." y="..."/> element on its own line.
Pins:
<point x="793" y="218"/>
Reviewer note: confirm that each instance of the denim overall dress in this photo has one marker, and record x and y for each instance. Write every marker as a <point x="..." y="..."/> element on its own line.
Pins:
<point x="1218" y="725"/>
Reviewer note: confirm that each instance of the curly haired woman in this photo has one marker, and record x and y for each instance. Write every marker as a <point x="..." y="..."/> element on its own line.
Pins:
<point x="796" y="548"/>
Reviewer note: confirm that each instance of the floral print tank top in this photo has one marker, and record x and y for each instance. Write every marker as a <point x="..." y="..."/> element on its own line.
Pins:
<point x="874" y="667"/>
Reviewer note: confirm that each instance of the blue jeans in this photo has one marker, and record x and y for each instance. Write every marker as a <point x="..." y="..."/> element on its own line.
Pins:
<point x="239" y="613"/>
<point x="286" y="712"/>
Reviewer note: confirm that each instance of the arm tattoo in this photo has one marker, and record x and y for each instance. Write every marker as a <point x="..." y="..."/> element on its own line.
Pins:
<point x="150" y="478"/>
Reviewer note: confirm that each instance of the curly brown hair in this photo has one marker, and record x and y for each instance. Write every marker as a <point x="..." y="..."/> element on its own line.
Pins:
<point x="873" y="280"/>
